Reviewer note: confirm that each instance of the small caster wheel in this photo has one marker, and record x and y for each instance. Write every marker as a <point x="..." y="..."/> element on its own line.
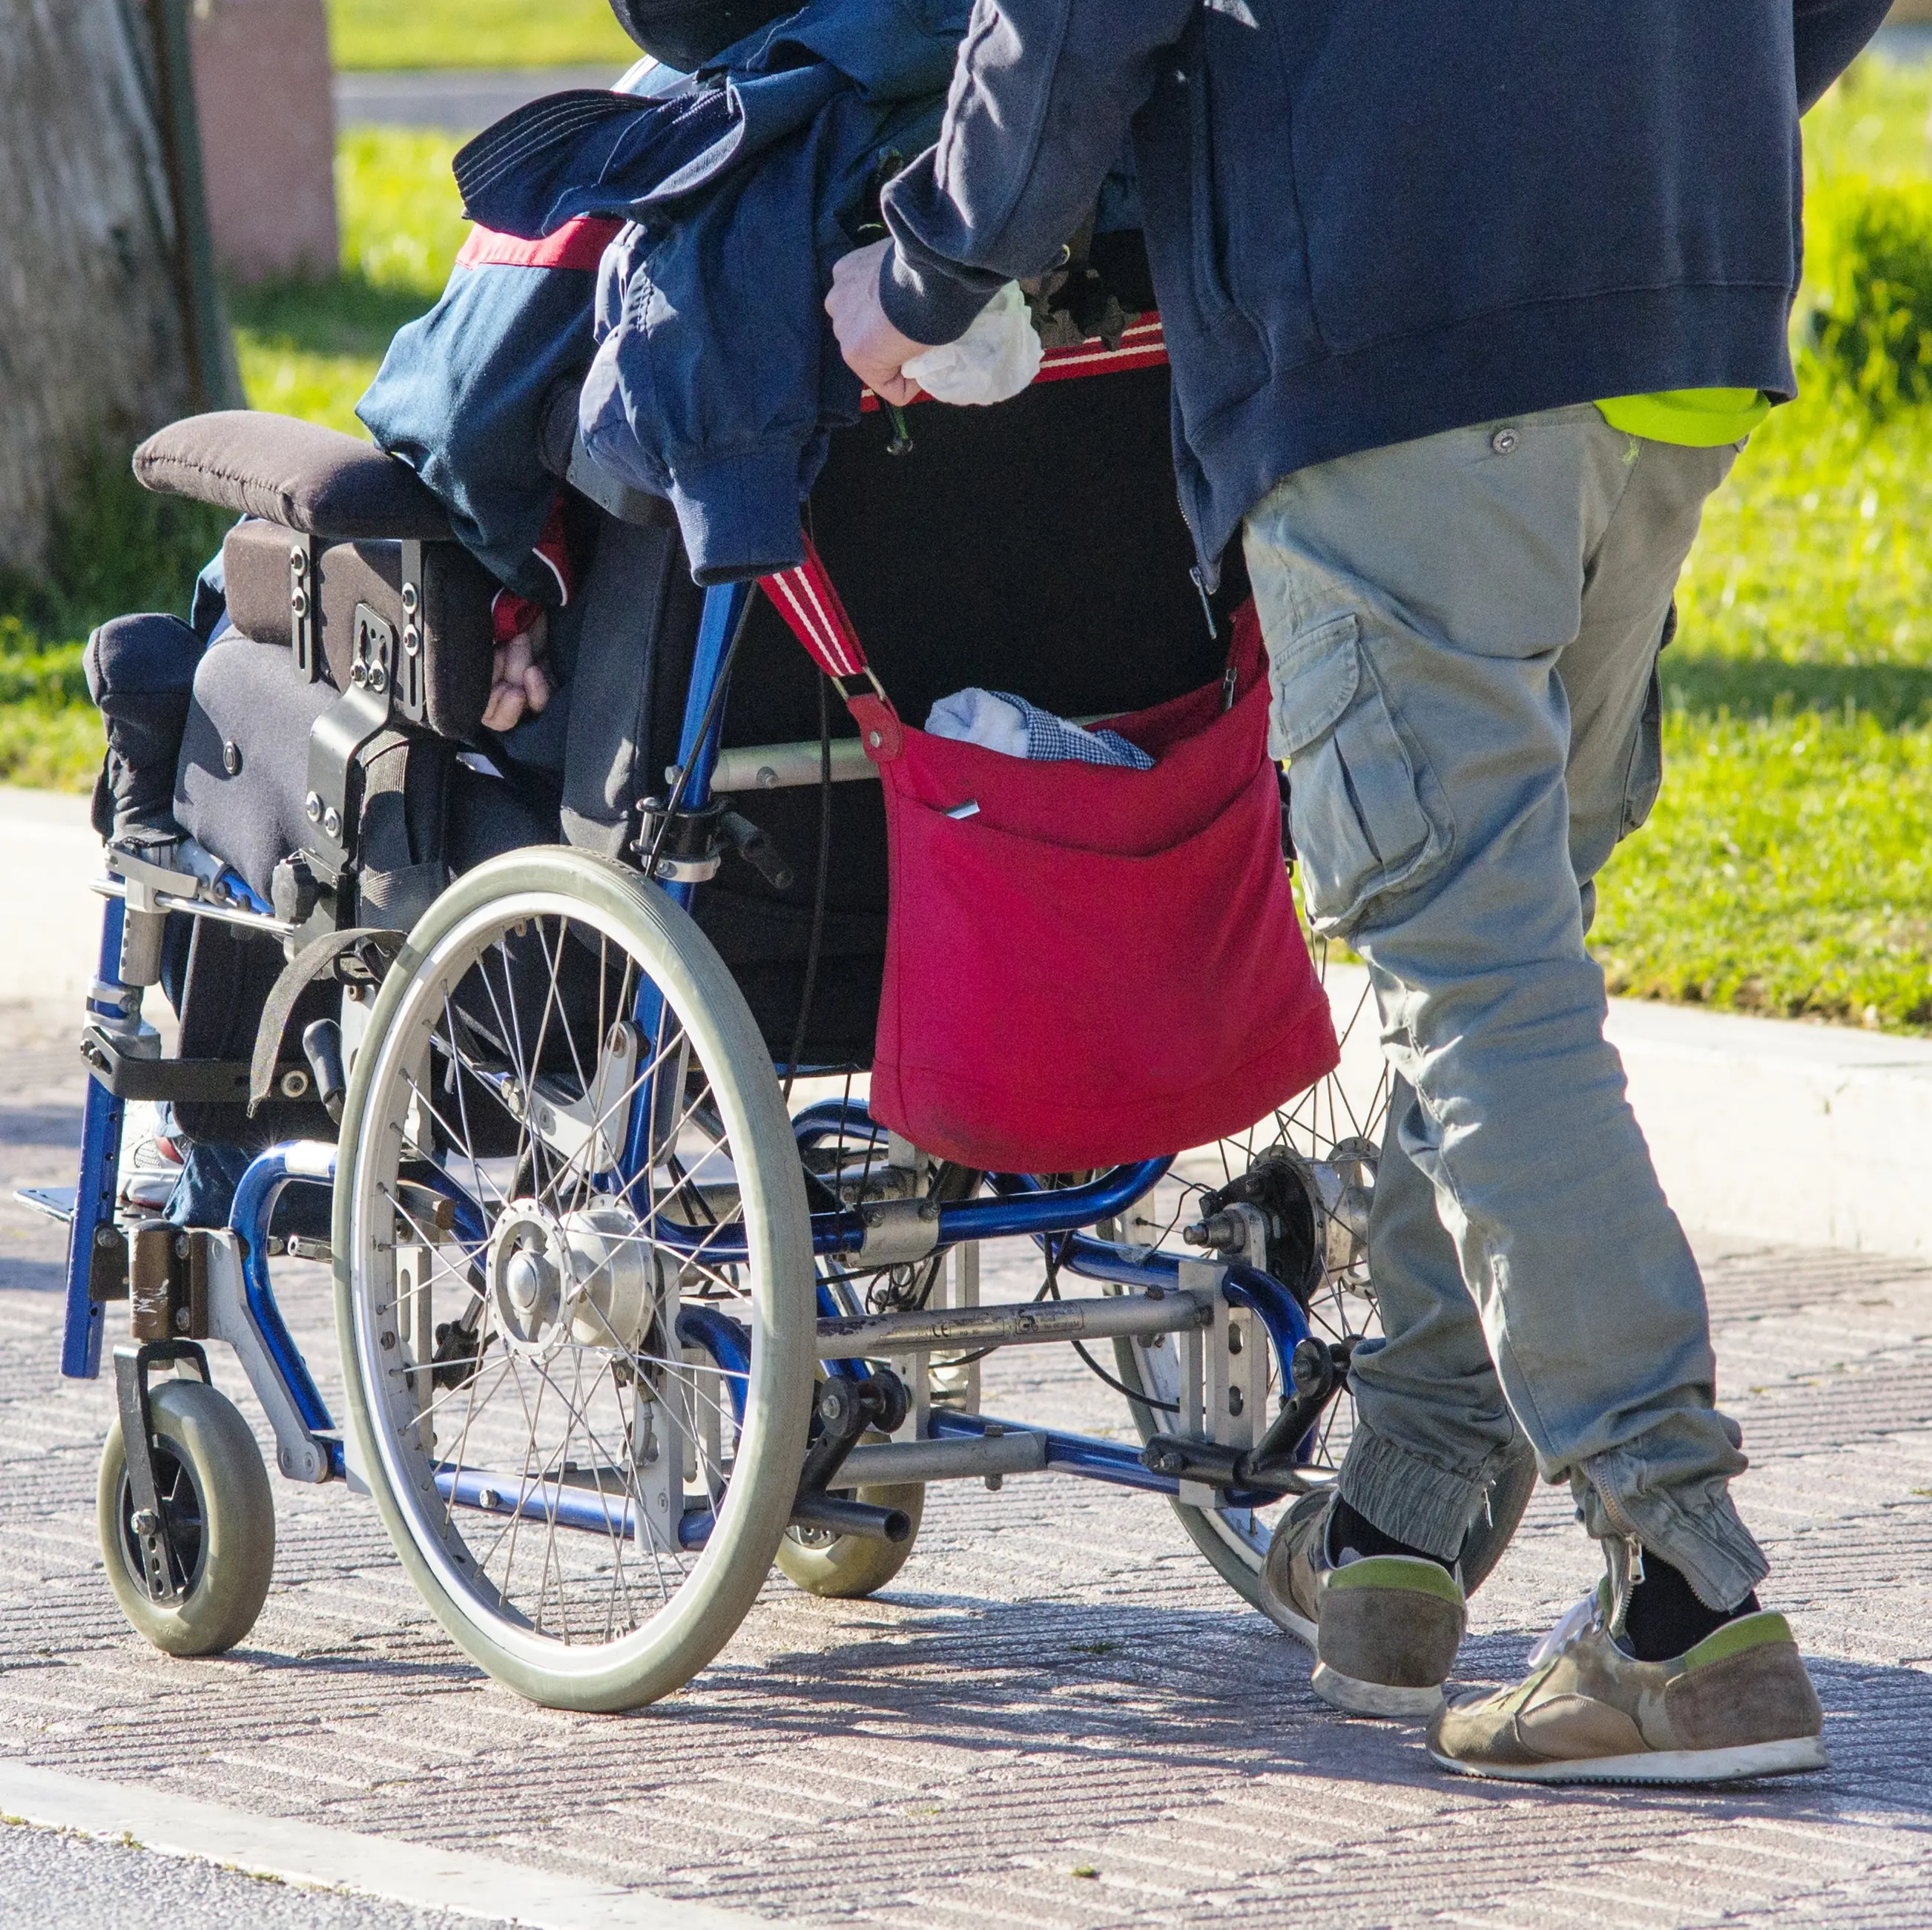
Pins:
<point x="844" y="1567"/>
<point x="220" y="1516"/>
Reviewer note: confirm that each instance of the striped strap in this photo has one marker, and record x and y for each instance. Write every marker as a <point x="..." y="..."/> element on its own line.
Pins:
<point x="808" y="603"/>
<point x="804" y="596"/>
<point x="1143" y="346"/>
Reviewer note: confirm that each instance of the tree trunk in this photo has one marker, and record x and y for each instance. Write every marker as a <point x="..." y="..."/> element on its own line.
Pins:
<point x="93" y="353"/>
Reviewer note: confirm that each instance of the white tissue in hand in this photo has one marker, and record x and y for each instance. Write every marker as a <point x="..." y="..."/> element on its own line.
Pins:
<point x="995" y="358"/>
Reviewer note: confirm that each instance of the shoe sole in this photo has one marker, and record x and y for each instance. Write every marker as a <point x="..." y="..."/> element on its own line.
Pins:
<point x="1356" y="1697"/>
<point x="1288" y="1620"/>
<point x="1348" y="1693"/>
<point x="1792" y="1756"/>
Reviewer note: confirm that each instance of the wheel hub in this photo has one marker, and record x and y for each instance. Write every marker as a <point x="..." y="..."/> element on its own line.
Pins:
<point x="525" y="1286"/>
<point x="617" y="1287"/>
<point x="591" y="1277"/>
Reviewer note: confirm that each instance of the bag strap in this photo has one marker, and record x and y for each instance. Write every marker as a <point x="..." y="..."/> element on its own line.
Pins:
<point x="804" y="597"/>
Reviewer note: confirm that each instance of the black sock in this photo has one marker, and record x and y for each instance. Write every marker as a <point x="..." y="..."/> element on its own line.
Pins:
<point x="1347" y="1529"/>
<point x="1666" y="1618"/>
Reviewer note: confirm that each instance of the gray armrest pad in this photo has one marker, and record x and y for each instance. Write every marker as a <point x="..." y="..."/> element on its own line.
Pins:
<point x="304" y="477"/>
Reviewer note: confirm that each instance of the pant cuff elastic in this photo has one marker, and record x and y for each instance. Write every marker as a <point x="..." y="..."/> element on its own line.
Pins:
<point x="1413" y="1500"/>
<point x="1700" y="1534"/>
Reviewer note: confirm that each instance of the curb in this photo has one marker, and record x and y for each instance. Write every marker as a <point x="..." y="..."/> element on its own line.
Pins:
<point x="1813" y="1135"/>
<point x="426" y="1878"/>
<point x="1784" y="1133"/>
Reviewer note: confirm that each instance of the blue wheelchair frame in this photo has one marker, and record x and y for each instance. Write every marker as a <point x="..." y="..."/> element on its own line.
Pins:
<point x="1019" y="1206"/>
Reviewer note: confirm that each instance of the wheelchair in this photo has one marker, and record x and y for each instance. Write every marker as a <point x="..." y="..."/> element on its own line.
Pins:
<point x="635" y="1301"/>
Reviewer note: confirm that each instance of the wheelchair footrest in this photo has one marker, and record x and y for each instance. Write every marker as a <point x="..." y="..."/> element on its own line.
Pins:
<point x="57" y="1202"/>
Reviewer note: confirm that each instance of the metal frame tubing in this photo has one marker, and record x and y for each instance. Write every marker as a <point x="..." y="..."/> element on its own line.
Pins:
<point x="255" y="1197"/>
<point x="727" y="1344"/>
<point x="1019" y="1215"/>
<point x="1115" y="1463"/>
<point x="829" y="1118"/>
<point x="1281" y="1313"/>
<point x="1161" y="1310"/>
<point x="582" y="1509"/>
<point x="99" y="1183"/>
<point x="726" y="607"/>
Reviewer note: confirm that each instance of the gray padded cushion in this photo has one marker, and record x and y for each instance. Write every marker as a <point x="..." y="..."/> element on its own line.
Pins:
<point x="304" y="477"/>
<point x="248" y="695"/>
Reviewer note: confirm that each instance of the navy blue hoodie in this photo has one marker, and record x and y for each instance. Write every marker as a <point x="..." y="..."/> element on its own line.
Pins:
<point x="1372" y="220"/>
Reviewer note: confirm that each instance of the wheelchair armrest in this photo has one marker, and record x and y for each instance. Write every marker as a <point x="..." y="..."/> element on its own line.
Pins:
<point x="316" y="480"/>
<point x="454" y="616"/>
<point x="611" y="493"/>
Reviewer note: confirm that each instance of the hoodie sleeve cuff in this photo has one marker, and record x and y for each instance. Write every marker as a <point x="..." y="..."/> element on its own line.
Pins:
<point x="930" y="301"/>
<point x="739" y="514"/>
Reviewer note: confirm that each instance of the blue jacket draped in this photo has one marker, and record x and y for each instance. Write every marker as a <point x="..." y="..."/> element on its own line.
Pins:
<point x="715" y="379"/>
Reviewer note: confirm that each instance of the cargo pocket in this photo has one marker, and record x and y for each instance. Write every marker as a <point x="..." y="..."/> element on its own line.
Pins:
<point x="1643" y="776"/>
<point x="1359" y="825"/>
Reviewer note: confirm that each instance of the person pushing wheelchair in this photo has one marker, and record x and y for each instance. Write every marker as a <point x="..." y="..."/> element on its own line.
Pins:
<point x="1469" y="307"/>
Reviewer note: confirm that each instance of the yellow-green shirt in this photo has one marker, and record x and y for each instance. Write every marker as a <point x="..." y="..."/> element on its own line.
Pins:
<point x="1697" y="418"/>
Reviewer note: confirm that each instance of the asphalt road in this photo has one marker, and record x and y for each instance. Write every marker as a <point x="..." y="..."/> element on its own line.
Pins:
<point x="50" y="1879"/>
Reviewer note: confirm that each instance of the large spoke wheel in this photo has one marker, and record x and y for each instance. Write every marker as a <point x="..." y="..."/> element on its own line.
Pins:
<point x="574" y="1281"/>
<point x="1331" y="1136"/>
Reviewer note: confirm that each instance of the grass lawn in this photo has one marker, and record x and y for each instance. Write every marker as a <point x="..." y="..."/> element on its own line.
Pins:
<point x="1787" y="869"/>
<point x="476" y="33"/>
<point x="1788" y="866"/>
<point x="311" y="350"/>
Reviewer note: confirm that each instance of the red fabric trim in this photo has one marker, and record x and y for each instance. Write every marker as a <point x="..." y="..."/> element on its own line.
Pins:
<point x="511" y="615"/>
<point x="578" y="243"/>
<point x="1143" y="346"/>
<point x="880" y="730"/>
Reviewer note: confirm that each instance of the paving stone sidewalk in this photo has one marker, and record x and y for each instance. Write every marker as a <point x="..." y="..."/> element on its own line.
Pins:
<point x="1057" y="1716"/>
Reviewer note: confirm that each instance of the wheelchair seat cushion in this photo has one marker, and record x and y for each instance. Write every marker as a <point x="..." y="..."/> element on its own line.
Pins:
<point x="457" y="592"/>
<point x="304" y="477"/>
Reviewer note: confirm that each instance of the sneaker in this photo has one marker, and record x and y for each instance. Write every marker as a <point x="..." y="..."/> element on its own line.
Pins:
<point x="149" y="1172"/>
<point x="1384" y="1628"/>
<point x="1738" y="1704"/>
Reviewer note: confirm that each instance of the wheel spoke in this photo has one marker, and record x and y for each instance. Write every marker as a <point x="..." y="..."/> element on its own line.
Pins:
<point x="543" y="1430"/>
